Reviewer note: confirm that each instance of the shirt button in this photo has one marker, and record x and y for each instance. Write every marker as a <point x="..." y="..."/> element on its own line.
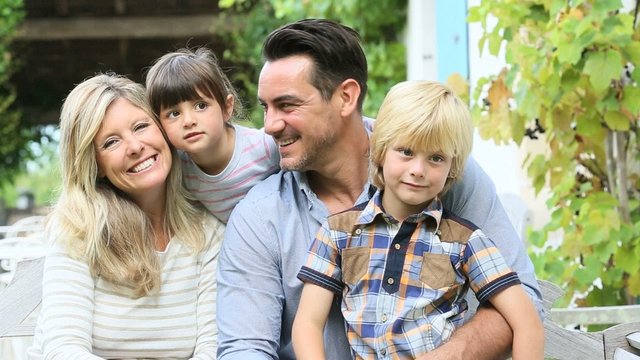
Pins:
<point x="390" y="281"/>
<point x="358" y="231"/>
<point x="383" y="352"/>
<point x="396" y="246"/>
<point x="384" y="318"/>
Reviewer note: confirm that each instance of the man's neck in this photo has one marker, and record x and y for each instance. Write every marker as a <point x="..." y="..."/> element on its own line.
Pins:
<point x="339" y="182"/>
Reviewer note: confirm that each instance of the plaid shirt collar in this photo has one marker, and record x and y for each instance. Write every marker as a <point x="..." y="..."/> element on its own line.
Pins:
<point x="431" y="215"/>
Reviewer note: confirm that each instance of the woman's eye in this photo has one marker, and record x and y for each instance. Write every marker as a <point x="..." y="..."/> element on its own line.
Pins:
<point x="141" y="126"/>
<point x="109" y="143"/>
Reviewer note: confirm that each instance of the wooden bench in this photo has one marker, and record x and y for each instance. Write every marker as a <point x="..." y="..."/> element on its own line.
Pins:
<point x="619" y="342"/>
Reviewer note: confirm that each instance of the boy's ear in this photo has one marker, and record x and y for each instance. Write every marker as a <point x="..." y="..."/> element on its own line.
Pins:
<point x="230" y="100"/>
<point x="349" y="92"/>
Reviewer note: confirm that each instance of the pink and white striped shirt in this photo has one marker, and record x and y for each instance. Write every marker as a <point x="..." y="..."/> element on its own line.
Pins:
<point x="255" y="157"/>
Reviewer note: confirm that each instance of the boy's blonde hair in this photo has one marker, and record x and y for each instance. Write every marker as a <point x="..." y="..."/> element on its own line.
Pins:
<point x="96" y="221"/>
<point x="424" y="116"/>
<point x="178" y="76"/>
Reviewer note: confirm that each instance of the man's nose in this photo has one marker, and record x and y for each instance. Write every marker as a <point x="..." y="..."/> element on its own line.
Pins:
<point x="273" y="122"/>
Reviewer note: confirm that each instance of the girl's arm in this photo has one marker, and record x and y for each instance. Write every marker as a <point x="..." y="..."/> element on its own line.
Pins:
<point x="516" y="307"/>
<point x="308" y="326"/>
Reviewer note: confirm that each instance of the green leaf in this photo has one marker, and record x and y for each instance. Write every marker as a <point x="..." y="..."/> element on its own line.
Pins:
<point x="631" y="99"/>
<point x="569" y="53"/>
<point x="631" y="52"/>
<point x="616" y="120"/>
<point x="602" y="67"/>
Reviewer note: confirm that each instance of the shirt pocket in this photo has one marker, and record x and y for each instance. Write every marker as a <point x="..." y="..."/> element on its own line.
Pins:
<point x="437" y="271"/>
<point x="355" y="263"/>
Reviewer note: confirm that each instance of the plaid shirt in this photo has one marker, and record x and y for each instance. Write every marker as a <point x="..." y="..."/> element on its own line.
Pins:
<point x="403" y="285"/>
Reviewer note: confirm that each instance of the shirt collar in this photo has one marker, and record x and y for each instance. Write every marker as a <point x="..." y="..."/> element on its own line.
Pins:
<point x="431" y="215"/>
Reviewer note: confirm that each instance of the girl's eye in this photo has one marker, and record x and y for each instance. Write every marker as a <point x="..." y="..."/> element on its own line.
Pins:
<point x="201" y="106"/>
<point x="173" y="114"/>
<point x="405" y="151"/>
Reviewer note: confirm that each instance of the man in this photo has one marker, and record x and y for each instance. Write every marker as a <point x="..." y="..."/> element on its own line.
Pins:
<point x="312" y="87"/>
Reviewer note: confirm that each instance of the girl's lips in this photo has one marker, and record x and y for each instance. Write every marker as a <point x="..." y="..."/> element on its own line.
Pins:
<point x="192" y="135"/>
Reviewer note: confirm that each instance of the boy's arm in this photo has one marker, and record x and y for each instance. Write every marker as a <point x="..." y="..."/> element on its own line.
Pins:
<point x="528" y="333"/>
<point x="308" y="325"/>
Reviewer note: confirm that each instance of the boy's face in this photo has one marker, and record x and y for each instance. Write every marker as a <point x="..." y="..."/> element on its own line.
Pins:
<point x="412" y="179"/>
<point x="197" y="126"/>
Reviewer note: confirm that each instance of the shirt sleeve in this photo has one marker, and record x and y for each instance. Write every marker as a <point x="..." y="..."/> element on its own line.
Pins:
<point x="485" y="267"/>
<point x="207" y="333"/>
<point x="321" y="267"/>
<point x="250" y="291"/>
<point x="474" y="198"/>
<point x="66" y="317"/>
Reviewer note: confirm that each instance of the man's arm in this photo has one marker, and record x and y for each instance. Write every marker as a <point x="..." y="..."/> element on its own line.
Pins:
<point x="250" y="294"/>
<point x="486" y="336"/>
<point x="474" y="198"/>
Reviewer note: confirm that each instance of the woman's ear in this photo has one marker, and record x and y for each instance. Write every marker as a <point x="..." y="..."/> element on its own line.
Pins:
<point x="349" y="92"/>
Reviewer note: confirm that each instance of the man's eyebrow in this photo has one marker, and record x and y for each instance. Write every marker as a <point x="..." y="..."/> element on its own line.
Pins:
<point x="283" y="98"/>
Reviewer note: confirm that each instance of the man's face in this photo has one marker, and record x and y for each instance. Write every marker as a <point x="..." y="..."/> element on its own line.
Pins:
<point x="303" y="125"/>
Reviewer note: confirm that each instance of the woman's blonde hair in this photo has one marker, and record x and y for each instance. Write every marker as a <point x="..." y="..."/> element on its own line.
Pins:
<point x="425" y="116"/>
<point x="98" y="222"/>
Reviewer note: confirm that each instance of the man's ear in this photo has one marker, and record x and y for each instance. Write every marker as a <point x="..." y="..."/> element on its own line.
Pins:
<point x="349" y="92"/>
<point x="229" y="101"/>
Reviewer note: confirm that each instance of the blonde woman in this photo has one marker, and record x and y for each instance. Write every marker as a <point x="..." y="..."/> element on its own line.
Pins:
<point x="131" y="270"/>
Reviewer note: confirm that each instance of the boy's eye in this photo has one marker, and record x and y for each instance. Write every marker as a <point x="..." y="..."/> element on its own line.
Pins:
<point x="405" y="151"/>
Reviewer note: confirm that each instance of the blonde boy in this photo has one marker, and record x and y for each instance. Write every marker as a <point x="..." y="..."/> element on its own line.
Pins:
<point x="401" y="262"/>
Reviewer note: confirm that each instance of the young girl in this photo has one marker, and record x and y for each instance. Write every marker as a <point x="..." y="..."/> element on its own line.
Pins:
<point x="196" y="102"/>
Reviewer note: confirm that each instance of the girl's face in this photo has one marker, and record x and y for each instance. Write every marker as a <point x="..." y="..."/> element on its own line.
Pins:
<point x="132" y="153"/>
<point x="197" y="126"/>
<point x="412" y="179"/>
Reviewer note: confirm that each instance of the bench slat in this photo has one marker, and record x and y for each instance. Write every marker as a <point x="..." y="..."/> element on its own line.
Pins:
<point x="21" y="297"/>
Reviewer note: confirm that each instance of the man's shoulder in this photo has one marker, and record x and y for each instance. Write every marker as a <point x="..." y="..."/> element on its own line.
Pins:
<point x="272" y="188"/>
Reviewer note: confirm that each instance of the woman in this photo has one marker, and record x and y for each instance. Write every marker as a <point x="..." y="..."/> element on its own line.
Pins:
<point x="131" y="271"/>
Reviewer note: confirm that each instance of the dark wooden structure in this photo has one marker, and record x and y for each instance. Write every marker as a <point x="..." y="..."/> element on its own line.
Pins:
<point x="62" y="42"/>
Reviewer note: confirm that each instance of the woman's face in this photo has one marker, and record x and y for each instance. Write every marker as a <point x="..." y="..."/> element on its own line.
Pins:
<point x="132" y="153"/>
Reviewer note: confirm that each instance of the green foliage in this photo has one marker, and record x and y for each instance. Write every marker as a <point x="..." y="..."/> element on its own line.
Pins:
<point x="380" y="23"/>
<point x="40" y="175"/>
<point x="566" y="71"/>
<point x="14" y="149"/>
